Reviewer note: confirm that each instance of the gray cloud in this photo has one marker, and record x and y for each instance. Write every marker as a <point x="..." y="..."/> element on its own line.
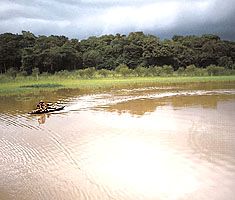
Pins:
<point x="82" y="18"/>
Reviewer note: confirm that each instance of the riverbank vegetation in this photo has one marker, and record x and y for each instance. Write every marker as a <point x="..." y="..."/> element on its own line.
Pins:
<point x="136" y="54"/>
<point x="29" y="63"/>
<point x="32" y="84"/>
<point x="122" y="71"/>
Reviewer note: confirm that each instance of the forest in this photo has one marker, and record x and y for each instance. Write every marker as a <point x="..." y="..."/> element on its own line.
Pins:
<point x="26" y="53"/>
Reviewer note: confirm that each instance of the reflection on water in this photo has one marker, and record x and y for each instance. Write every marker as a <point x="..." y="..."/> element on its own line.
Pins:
<point x="138" y="143"/>
<point x="42" y="118"/>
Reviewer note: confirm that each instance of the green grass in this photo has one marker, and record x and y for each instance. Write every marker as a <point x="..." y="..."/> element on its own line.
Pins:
<point x="42" y="85"/>
<point x="17" y="87"/>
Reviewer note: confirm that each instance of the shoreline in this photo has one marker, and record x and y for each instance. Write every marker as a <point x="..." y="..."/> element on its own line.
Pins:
<point x="27" y="86"/>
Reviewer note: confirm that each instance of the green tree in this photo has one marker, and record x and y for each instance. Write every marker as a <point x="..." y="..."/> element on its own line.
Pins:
<point x="92" y="58"/>
<point x="226" y="62"/>
<point x="87" y="72"/>
<point x="12" y="72"/>
<point x="180" y="71"/>
<point x="35" y="72"/>
<point x="191" y="70"/>
<point x="167" y="70"/>
<point x="10" y="48"/>
<point x="132" y="55"/>
<point x="215" y="70"/>
<point x="123" y="70"/>
<point x="158" y="70"/>
<point x="141" y="71"/>
<point x="104" y="72"/>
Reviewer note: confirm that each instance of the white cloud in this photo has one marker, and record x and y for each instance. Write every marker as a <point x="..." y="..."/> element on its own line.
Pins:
<point x="157" y="15"/>
<point x="161" y="15"/>
<point x="95" y="17"/>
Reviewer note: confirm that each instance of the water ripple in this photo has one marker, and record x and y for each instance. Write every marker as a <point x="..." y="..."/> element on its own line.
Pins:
<point x="95" y="154"/>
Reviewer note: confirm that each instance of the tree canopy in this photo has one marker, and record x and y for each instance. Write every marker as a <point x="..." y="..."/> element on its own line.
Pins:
<point x="26" y="52"/>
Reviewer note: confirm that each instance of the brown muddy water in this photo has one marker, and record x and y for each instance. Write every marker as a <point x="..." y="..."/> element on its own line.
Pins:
<point x="153" y="143"/>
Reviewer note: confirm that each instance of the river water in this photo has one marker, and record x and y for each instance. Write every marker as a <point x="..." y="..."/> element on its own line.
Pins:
<point x="153" y="143"/>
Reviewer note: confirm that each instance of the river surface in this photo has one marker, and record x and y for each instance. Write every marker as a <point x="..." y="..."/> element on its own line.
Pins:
<point x="151" y="143"/>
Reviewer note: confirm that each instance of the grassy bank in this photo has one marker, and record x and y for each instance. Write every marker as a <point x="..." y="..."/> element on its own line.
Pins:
<point x="26" y="86"/>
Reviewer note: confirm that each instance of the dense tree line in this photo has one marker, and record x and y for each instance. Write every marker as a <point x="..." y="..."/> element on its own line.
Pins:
<point x="27" y="53"/>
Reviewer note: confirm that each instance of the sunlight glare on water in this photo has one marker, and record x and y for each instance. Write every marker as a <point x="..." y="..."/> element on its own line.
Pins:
<point x="141" y="167"/>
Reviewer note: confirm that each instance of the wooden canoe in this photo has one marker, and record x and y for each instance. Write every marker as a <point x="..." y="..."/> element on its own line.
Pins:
<point x="49" y="110"/>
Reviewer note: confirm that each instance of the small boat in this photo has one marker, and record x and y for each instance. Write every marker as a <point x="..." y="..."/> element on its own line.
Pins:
<point x="48" y="110"/>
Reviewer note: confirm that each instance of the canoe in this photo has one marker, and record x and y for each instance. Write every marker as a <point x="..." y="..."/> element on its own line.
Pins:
<point x="52" y="109"/>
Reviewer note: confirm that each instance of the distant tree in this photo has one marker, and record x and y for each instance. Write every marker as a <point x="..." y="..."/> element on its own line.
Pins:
<point x="141" y="71"/>
<point x="35" y="72"/>
<point x="132" y="55"/>
<point x="215" y="70"/>
<point x="28" y="39"/>
<point x="180" y="71"/>
<point x="12" y="72"/>
<point x="167" y="70"/>
<point x="10" y="56"/>
<point x="226" y="62"/>
<point x="92" y="58"/>
<point x="104" y="72"/>
<point x="158" y="70"/>
<point x="123" y="70"/>
<point x="28" y="60"/>
<point x="190" y="70"/>
<point x="87" y="72"/>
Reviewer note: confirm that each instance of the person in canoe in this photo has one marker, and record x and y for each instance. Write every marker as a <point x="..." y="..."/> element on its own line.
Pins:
<point x="42" y="106"/>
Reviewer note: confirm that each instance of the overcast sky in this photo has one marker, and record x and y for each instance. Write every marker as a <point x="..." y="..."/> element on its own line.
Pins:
<point x="84" y="18"/>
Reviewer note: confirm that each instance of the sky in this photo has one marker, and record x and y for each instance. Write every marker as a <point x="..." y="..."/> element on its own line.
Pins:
<point x="83" y="18"/>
